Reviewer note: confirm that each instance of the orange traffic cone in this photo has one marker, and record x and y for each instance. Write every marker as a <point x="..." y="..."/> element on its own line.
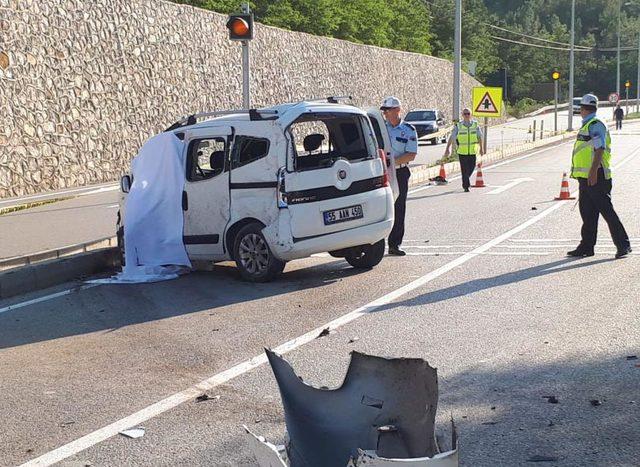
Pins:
<point x="564" y="189"/>
<point x="443" y="173"/>
<point x="479" y="178"/>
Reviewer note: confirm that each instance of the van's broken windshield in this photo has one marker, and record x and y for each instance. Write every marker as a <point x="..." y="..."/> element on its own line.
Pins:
<point x="319" y="139"/>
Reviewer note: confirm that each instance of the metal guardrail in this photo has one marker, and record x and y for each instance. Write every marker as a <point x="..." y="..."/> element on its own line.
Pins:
<point x="46" y="255"/>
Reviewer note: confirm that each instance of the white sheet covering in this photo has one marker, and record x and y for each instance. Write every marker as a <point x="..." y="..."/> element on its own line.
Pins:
<point x="153" y="219"/>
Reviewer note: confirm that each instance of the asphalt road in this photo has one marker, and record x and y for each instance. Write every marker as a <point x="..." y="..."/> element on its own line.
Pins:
<point x="87" y="214"/>
<point x="486" y="295"/>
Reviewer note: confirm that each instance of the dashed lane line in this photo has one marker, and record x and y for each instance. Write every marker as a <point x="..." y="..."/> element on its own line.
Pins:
<point x="104" y="433"/>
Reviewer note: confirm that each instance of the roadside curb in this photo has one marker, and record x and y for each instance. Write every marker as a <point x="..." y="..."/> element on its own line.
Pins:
<point x="57" y="271"/>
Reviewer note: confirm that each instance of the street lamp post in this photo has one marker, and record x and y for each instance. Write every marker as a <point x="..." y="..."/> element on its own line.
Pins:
<point x="457" y="60"/>
<point x="573" y="31"/>
<point x="618" y="61"/>
<point x="638" y="80"/>
<point x="556" y="76"/>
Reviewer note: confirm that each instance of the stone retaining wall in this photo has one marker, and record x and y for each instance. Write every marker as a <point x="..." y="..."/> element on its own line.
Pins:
<point x="84" y="82"/>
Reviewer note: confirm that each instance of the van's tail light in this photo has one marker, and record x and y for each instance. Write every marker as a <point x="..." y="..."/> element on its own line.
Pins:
<point x="385" y="175"/>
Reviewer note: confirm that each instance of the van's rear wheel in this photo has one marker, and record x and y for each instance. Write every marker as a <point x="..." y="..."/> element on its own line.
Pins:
<point x="253" y="257"/>
<point x="365" y="256"/>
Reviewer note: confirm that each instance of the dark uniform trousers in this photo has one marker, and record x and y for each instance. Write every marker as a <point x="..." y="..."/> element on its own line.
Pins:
<point x="467" y="164"/>
<point x="595" y="200"/>
<point x="618" y="124"/>
<point x="397" y="233"/>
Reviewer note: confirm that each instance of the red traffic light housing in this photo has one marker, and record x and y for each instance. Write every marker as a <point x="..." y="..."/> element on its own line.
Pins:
<point x="240" y="27"/>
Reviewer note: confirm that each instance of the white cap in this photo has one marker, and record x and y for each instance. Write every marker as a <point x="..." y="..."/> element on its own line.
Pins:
<point x="390" y="103"/>
<point x="590" y="100"/>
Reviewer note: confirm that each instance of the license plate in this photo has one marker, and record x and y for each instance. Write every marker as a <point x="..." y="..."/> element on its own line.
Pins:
<point x="343" y="214"/>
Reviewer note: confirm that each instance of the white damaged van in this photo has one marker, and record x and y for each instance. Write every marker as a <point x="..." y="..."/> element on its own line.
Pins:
<point x="266" y="186"/>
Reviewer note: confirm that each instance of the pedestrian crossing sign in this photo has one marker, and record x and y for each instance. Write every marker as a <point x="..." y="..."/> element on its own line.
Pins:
<point x="487" y="102"/>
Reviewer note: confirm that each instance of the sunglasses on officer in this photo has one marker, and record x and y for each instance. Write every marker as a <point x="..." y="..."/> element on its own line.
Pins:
<point x="466" y="113"/>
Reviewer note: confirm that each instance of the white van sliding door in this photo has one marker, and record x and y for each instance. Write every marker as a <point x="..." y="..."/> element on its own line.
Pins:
<point x="205" y="200"/>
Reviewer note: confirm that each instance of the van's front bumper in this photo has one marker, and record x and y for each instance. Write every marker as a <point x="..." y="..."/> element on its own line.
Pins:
<point x="364" y="235"/>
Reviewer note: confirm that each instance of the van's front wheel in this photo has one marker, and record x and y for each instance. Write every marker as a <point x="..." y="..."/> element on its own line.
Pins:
<point x="253" y="257"/>
<point x="365" y="256"/>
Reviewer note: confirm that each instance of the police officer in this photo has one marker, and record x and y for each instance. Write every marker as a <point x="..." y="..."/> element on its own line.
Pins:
<point x="591" y="166"/>
<point x="468" y="138"/>
<point x="404" y="148"/>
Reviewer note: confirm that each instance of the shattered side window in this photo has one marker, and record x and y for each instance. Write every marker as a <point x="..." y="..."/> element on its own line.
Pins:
<point x="206" y="158"/>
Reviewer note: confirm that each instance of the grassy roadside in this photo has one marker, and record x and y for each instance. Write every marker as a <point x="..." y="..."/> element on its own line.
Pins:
<point x="35" y="204"/>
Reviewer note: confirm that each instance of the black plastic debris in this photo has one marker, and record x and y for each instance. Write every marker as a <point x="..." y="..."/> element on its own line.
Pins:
<point x="632" y="357"/>
<point x="325" y="332"/>
<point x="551" y="399"/>
<point x="206" y="397"/>
<point x="595" y="402"/>
<point x="539" y="458"/>
<point x="534" y="208"/>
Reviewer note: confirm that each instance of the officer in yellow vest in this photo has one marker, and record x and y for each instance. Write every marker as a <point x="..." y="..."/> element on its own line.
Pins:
<point x="591" y="166"/>
<point x="469" y="140"/>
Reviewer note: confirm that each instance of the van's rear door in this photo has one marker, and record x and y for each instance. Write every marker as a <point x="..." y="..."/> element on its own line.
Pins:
<point x="382" y="137"/>
<point x="335" y="179"/>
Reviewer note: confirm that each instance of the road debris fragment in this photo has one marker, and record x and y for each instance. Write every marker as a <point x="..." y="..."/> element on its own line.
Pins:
<point x="538" y="458"/>
<point x="595" y="402"/>
<point x="206" y="397"/>
<point x="383" y="414"/>
<point x="551" y="399"/>
<point x="353" y="339"/>
<point x="534" y="208"/>
<point x="133" y="433"/>
<point x="325" y="332"/>
<point x="632" y="357"/>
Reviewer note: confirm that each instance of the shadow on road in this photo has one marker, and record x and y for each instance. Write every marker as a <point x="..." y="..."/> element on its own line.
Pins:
<point x="476" y="285"/>
<point x="110" y="307"/>
<point x="504" y="418"/>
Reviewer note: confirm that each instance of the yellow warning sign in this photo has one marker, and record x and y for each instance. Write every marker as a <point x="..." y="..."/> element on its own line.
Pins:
<point x="487" y="102"/>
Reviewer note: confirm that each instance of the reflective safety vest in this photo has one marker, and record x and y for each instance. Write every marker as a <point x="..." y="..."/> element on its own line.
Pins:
<point x="583" y="153"/>
<point x="467" y="139"/>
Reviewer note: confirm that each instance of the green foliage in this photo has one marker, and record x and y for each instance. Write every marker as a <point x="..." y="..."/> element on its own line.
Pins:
<point x="524" y="106"/>
<point x="426" y="26"/>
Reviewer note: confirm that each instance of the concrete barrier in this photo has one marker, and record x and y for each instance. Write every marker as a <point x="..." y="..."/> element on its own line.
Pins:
<point x="57" y="271"/>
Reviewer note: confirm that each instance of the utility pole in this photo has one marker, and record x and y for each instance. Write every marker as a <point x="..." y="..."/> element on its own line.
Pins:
<point x="457" y="61"/>
<point x="638" y="80"/>
<point x="246" y="64"/>
<point x="571" y="63"/>
<point x="618" y="63"/>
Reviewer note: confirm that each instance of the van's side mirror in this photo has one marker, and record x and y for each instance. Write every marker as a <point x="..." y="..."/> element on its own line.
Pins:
<point x="125" y="183"/>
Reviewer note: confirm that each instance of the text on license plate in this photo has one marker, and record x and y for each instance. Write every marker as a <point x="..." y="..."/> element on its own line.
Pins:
<point x="343" y="214"/>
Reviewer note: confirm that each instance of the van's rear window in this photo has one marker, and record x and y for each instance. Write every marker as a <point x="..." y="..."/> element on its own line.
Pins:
<point x="319" y="139"/>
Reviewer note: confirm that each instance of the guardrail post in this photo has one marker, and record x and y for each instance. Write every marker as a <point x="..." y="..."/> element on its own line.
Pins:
<point x="541" y="129"/>
<point x="534" y="130"/>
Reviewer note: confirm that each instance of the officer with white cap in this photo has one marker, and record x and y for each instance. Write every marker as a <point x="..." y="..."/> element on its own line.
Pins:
<point x="404" y="148"/>
<point x="591" y="166"/>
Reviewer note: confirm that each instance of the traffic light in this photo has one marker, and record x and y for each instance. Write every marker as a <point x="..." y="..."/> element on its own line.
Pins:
<point x="240" y="27"/>
<point x="627" y="84"/>
<point x="555" y="75"/>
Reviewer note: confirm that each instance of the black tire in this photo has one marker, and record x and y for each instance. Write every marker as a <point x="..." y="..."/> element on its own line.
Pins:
<point x="365" y="256"/>
<point x="254" y="259"/>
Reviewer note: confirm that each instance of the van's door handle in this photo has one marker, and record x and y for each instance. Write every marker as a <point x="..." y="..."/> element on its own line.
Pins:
<point x="185" y="201"/>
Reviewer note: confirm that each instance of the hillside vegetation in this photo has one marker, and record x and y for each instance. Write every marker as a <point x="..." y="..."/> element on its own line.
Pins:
<point x="426" y="26"/>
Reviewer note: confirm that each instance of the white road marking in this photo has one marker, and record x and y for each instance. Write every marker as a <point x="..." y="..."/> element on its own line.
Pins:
<point x="137" y="418"/>
<point x="15" y="306"/>
<point x="508" y="186"/>
<point x="175" y="400"/>
<point x="101" y="190"/>
<point x="493" y="166"/>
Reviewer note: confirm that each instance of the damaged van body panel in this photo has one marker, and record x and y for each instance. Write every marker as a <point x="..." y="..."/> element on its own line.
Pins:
<point x="386" y="406"/>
